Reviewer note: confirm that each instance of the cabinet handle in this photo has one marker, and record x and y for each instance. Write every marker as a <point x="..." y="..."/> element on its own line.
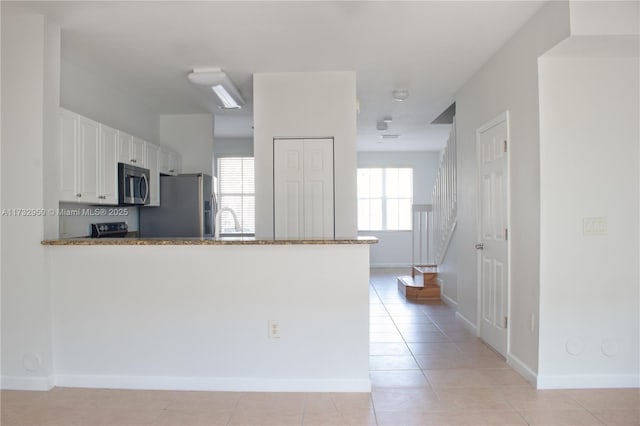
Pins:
<point x="78" y="195"/>
<point x="133" y="160"/>
<point x="171" y="171"/>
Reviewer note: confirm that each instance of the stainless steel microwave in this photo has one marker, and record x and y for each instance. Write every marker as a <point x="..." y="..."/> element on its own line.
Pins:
<point x="133" y="185"/>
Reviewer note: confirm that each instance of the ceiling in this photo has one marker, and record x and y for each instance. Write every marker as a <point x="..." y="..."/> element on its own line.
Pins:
<point x="431" y="48"/>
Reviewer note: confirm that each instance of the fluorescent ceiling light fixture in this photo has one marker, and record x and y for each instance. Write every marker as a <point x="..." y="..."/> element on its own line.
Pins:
<point x="227" y="93"/>
<point x="389" y="136"/>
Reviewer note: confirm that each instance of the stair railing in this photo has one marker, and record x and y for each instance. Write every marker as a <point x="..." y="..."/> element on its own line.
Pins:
<point x="445" y="199"/>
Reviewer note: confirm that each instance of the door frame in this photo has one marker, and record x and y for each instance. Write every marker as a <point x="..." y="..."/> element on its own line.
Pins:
<point x="504" y="116"/>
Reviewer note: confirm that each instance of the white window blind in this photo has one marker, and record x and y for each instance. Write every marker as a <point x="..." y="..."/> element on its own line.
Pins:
<point x="385" y="196"/>
<point x="236" y="190"/>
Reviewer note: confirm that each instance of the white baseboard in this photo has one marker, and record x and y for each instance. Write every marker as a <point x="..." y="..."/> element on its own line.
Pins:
<point x="468" y="324"/>
<point x="27" y="383"/>
<point x="212" y="383"/>
<point x="522" y="369"/>
<point x="587" y="381"/>
<point x="449" y="301"/>
<point x="391" y="265"/>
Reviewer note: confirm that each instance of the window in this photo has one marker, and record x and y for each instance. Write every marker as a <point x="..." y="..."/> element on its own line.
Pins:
<point x="384" y="199"/>
<point x="236" y="190"/>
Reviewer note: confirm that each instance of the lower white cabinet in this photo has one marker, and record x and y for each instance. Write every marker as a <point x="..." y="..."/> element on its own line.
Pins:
<point x="152" y="156"/>
<point x="88" y="164"/>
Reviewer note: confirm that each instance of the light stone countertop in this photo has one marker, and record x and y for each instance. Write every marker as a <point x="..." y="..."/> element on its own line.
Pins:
<point x="198" y="241"/>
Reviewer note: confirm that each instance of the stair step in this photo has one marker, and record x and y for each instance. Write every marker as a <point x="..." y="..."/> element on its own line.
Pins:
<point x="424" y="269"/>
<point x="414" y="288"/>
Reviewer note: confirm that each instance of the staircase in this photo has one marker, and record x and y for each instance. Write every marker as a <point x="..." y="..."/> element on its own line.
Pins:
<point x="422" y="284"/>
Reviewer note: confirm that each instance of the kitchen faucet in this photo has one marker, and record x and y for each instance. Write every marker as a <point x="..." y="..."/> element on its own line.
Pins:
<point x="235" y="220"/>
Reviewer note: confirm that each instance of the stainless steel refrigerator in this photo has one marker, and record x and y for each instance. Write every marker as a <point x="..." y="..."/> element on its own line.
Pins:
<point x="187" y="208"/>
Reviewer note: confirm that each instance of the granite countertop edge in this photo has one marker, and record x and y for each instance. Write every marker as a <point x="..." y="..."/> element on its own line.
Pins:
<point x="198" y="241"/>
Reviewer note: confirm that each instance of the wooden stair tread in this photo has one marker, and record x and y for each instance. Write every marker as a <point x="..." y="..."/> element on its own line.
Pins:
<point x="410" y="281"/>
<point x="426" y="269"/>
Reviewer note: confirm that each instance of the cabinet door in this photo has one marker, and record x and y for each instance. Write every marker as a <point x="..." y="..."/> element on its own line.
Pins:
<point x="163" y="161"/>
<point x="88" y="149"/>
<point x="68" y="155"/>
<point x="137" y="152"/>
<point x="152" y="156"/>
<point x="175" y="163"/>
<point x="108" y="165"/>
<point x="124" y="147"/>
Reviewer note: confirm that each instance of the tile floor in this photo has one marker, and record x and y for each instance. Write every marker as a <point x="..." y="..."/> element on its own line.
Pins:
<point x="426" y="369"/>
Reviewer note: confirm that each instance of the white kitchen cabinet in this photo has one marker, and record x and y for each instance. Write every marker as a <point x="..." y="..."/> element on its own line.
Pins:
<point x="131" y="150"/>
<point x="170" y="162"/>
<point x="152" y="156"/>
<point x="108" y="167"/>
<point x="88" y="167"/>
<point x="80" y="141"/>
<point x="303" y="189"/>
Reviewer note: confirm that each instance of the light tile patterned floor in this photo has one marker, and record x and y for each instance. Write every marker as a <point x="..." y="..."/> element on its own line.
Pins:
<point x="426" y="369"/>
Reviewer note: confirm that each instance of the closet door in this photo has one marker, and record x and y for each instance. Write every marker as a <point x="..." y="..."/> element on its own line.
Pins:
<point x="318" y="189"/>
<point x="288" y="189"/>
<point x="303" y="189"/>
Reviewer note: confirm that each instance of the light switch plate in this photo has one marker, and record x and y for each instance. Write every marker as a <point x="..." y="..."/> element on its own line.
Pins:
<point x="592" y="226"/>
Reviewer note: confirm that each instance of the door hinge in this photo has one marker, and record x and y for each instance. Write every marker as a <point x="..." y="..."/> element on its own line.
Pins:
<point x="505" y="145"/>
<point x="505" y="322"/>
<point x="506" y="234"/>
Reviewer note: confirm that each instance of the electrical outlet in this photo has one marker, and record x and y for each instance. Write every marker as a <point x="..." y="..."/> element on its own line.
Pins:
<point x="274" y="329"/>
<point x="592" y="226"/>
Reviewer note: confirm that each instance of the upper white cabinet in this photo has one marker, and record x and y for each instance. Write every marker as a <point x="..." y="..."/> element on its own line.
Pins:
<point x="152" y="156"/>
<point x="108" y="165"/>
<point x="131" y="150"/>
<point x="303" y="189"/>
<point x="170" y="162"/>
<point x="87" y="160"/>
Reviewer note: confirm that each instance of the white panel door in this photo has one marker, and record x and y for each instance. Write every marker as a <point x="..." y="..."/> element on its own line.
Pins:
<point x="493" y="163"/>
<point x="318" y="189"/>
<point x="288" y="189"/>
<point x="303" y="189"/>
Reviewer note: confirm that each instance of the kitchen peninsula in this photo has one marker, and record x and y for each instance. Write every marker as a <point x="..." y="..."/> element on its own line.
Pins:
<point x="203" y="314"/>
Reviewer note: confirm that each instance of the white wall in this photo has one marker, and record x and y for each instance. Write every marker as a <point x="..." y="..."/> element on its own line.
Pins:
<point x="321" y="104"/>
<point x="394" y="247"/>
<point x="192" y="136"/>
<point x="195" y="317"/>
<point x="589" y="168"/>
<point x="30" y="52"/>
<point x="508" y="81"/>
<point x="91" y="95"/>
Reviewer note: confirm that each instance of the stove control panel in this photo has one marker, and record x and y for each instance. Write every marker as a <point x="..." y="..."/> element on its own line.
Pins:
<point x="109" y="230"/>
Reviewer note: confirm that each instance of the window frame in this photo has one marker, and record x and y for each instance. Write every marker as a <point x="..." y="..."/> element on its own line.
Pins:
<point x="219" y="195"/>
<point x="384" y="198"/>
